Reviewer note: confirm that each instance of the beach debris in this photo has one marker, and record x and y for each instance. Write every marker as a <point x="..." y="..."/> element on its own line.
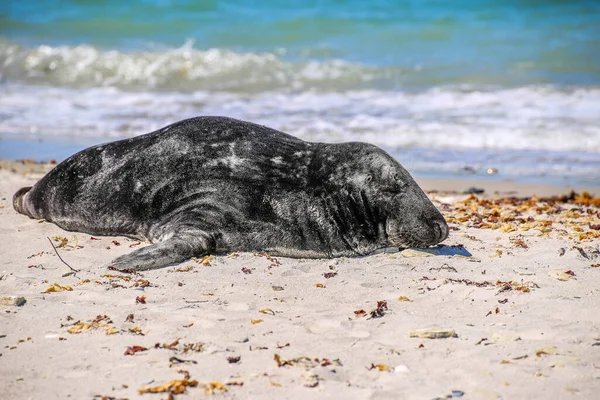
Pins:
<point x="204" y="260"/>
<point x="274" y="262"/>
<point x="380" y="310"/>
<point x="62" y="241"/>
<point x="474" y="190"/>
<point x="305" y="362"/>
<point x="41" y="253"/>
<point x="256" y="321"/>
<point x="380" y="367"/>
<point x="444" y="267"/>
<point x="140" y="300"/>
<point x="404" y="298"/>
<point x="432" y="333"/>
<point x="169" y="346"/>
<point x="124" y="270"/>
<point x="17" y="301"/>
<point x="377" y="312"/>
<point x="131" y="350"/>
<point x="60" y="258"/>
<point x="196" y="347"/>
<point x="55" y="288"/>
<point x="117" y="281"/>
<point x="185" y="268"/>
<point x="176" y="386"/>
<point x="100" y="322"/>
<point x="267" y="311"/>
<point x="136" y="330"/>
<point x="129" y="318"/>
<point x="561" y="252"/>
<point x="277" y="288"/>
<point x="561" y="275"/>
<point x="329" y="275"/>
<point x="518" y="241"/>
<point x="176" y="361"/>
<point x="320" y="285"/>
<point x="234" y="359"/>
<point x="546" y="350"/>
<point x="246" y="270"/>
<point x="504" y="286"/>
<point x="581" y="252"/>
<point x="568" y="216"/>
<point x="311" y="380"/>
<point x="496" y="311"/>
<point x="210" y="388"/>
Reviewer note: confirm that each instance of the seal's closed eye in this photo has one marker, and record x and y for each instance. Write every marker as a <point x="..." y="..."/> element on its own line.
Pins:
<point x="395" y="185"/>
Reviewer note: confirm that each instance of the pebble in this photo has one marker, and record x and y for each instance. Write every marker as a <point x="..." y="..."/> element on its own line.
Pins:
<point x="524" y="272"/>
<point x="560" y="275"/>
<point x="432" y="333"/>
<point x="474" y="190"/>
<point x="401" y="368"/>
<point x="12" y="300"/>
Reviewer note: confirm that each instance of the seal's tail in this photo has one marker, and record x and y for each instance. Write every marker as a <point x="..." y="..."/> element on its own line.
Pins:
<point x="19" y="201"/>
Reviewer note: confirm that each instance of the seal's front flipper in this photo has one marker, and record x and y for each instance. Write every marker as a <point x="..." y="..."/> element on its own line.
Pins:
<point x="178" y="248"/>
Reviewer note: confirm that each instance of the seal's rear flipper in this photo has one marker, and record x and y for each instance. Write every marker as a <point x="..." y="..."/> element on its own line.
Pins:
<point x="19" y="200"/>
<point x="178" y="248"/>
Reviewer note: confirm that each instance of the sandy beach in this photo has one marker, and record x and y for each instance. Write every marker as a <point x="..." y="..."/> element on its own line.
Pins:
<point x="511" y="297"/>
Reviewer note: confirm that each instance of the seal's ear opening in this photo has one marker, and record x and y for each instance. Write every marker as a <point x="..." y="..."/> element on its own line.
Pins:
<point x="18" y="200"/>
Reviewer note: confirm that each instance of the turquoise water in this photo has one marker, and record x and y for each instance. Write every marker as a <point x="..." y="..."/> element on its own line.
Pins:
<point x="442" y="85"/>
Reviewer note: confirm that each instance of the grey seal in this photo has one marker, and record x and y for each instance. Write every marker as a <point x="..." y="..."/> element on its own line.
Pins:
<point x="213" y="184"/>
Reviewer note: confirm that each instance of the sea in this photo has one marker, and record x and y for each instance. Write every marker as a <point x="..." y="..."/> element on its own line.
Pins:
<point x="485" y="89"/>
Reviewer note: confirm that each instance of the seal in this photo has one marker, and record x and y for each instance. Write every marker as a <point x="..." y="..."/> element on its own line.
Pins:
<point x="213" y="184"/>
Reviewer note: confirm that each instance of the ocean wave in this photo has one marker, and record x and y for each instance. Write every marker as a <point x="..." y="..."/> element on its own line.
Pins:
<point x="182" y="69"/>
<point x="538" y="118"/>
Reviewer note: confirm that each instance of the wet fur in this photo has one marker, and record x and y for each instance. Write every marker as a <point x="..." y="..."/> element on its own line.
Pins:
<point x="215" y="184"/>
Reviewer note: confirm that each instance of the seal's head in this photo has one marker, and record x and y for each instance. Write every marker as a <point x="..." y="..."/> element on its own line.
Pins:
<point x="409" y="217"/>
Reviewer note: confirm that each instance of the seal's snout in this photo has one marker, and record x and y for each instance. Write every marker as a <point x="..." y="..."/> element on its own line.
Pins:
<point x="19" y="200"/>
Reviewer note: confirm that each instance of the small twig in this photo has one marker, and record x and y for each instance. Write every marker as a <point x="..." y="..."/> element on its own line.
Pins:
<point x="64" y="262"/>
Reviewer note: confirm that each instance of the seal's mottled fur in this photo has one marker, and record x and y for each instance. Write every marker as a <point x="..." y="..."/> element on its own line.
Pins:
<point x="213" y="184"/>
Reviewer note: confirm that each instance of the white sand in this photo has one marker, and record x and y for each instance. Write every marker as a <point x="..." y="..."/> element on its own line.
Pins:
<point x="494" y="355"/>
